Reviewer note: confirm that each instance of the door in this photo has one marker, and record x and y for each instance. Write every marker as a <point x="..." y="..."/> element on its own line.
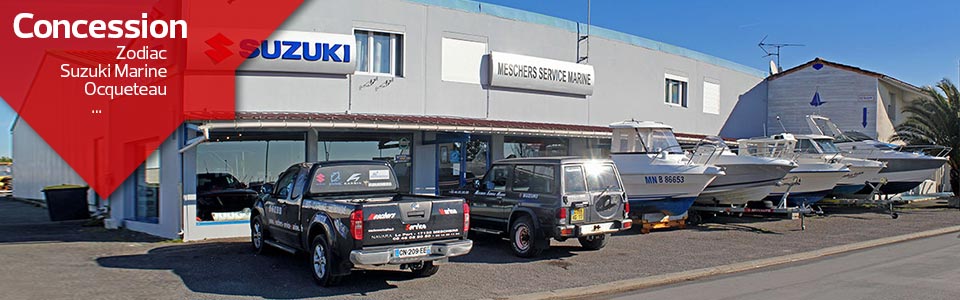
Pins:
<point x="485" y="204"/>
<point x="275" y="204"/>
<point x="290" y="219"/>
<point x="534" y="186"/>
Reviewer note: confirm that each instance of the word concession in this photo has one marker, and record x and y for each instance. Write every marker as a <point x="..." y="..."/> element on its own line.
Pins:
<point x="26" y="27"/>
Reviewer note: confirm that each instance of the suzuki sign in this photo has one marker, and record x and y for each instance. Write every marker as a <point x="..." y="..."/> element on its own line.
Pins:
<point x="541" y="74"/>
<point x="283" y="51"/>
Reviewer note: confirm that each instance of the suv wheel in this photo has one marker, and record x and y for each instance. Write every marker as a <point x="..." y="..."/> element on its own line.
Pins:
<point x="523" y="238"/>
<point x="258" y="236"/>
<point x="321" y="263"/>
<point x="593" y="242"/>
<point x="425" y="269"/>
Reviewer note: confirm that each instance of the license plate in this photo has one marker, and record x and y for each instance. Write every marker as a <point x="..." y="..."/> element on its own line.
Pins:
<point x="595" y="228"/>
<point x="411" y="252"/>
<point x="577" y="214"/>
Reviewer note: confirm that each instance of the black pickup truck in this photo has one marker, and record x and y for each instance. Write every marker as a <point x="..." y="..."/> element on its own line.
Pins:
<point x="348" y="213"/>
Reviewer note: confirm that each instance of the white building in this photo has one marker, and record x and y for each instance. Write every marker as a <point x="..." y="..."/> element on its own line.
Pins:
<point x="440" y="88"/>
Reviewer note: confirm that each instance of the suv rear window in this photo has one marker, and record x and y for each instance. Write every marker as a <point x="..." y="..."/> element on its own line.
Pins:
<point x="534" y="179"/>
<point x="601" y="176"/>
<point x="353" y="178"/>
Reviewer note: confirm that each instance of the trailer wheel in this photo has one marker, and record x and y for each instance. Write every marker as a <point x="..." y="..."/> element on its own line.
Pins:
<point x="695" y="219"/>
<point x="894" y="215"/>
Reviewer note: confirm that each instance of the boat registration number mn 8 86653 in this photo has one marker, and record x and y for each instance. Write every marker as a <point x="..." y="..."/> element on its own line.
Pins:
<point x="664" y="179"/>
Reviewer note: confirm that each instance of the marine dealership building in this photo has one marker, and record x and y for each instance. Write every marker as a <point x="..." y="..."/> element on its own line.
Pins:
<point x="438" y="88"/>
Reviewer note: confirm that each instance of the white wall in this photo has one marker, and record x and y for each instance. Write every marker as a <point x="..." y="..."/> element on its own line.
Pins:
<point x="36" y="164"/>
<point x="789" y="97"/>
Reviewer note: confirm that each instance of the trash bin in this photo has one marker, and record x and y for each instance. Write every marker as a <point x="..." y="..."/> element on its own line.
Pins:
<point x="67" y="202"/>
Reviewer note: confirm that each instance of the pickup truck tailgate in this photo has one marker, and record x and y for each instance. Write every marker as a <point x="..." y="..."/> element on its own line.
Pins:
<point x="412" y="219"/>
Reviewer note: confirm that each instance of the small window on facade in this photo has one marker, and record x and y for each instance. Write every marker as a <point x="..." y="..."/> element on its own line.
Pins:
<point x="379" y="52"/>
<point x="675" y="91"/>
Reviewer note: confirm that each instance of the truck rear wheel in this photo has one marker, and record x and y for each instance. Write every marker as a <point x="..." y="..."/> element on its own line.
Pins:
<point x="523" y="238"/>
<point x="426" y="269"/>
<point x="321" y="263"/>
<point x="593" y="242"/>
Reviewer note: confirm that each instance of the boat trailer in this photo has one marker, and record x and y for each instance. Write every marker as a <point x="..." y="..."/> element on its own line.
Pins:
<point x="781" y="209"/>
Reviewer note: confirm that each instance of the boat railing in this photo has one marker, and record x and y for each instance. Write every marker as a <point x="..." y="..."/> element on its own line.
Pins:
<point x="931" y="150"/>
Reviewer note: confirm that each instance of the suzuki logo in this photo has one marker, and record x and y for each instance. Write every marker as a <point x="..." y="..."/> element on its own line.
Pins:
<point x="218" y="48"/>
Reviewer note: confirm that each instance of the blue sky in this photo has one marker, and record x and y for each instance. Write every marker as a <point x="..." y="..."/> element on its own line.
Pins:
<point x="913" y="41"/>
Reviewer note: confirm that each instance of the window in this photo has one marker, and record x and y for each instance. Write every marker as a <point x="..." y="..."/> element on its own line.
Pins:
<point x="379" y="52"/>
<point x="892" y="107"/>
<point x="602" y="178"/>
<point x="828" y="146"/>
<point x="573" y="181"/>
<point x="533" y="179"/>
<point x="497" y="179"/>
<point x="234" y="167"/>
<point x="147" y="192"/>
<point x="806" y="146"/>
<point x="662" y="139"/>
<point x="394" y="148"/>
<point x="711" y="98"/>
<point x="285" y="184"/>
<point x="675" y="91"/>
<point x="534" y="147"/>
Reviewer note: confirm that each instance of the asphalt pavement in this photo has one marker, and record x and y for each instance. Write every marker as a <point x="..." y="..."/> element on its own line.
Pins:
<point x="49" y="260"/>
<point x="920" y="269"/>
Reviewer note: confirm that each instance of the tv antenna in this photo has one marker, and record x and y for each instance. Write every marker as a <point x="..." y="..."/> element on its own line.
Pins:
<point x="773" y="49"/>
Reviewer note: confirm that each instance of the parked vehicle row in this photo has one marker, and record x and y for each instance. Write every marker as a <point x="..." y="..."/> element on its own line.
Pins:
<point x="349" y="213"/>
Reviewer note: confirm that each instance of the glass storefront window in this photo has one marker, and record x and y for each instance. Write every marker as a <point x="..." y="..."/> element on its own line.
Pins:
<point x="394" y="148"/>
<point x="534" y="147"/>
<point x="147" y="191"/>
<point x="233" y="166"/>
<point x="475" y="157"/>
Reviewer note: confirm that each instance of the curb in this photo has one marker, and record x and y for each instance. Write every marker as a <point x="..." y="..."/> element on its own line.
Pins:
<point x="627" y="285"/>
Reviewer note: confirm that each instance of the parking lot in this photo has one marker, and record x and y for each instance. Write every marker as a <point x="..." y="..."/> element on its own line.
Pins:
<point x="92" y="262"/>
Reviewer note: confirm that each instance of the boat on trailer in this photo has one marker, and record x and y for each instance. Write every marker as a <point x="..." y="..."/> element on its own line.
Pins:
<point x="809" y="182"/>
<point x="747" y="178"/>
<point x="906" y="166"/>
<point x="659" y="176"/>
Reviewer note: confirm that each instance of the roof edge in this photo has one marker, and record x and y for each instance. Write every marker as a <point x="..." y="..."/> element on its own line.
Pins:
<point x="576" y="27"/>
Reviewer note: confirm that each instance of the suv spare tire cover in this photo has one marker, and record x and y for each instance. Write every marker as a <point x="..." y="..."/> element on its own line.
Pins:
<point x="606" y="206"/>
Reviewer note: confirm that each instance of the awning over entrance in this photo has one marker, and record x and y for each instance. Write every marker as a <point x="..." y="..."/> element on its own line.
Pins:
<point x="264" y="120"/>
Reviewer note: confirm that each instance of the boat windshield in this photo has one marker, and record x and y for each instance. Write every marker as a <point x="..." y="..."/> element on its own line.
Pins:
<point x="852" y="136"/>
<point x="662" y="139"/>
<point x="806" y="146"/>
<point x="827" y="146"/>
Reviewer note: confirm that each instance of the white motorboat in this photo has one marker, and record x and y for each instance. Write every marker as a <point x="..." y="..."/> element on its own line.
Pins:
<point x="906" y="166"/>
<point x="813" y="178"/>
<point x="822" y="147"/>
<point x="748" y="178"/>
<point x="658" y="175"/>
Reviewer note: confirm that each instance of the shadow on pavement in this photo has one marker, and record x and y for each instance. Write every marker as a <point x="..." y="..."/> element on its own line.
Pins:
<point x="24" y="223"/>
<point x="494" y="249"/>
<point x="230" y="268"/>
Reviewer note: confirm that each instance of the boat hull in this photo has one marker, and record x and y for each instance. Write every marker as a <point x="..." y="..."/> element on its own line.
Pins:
<point x="861" y="172"/>
<point x="812" y="184"/>
<point x="662" y="185"/>
<point x="744" y="182"/>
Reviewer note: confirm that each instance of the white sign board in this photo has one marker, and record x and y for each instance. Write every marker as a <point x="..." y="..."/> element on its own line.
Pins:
<point x="301" y="52"/>
<point x="541" y="74"/>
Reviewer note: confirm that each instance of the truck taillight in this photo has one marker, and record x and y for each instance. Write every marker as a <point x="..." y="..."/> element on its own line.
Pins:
<point x="562" y="214"/>
<point x="466" y="217"/>
<point x="626" y="205"/>
<point x="356" y="225"/>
